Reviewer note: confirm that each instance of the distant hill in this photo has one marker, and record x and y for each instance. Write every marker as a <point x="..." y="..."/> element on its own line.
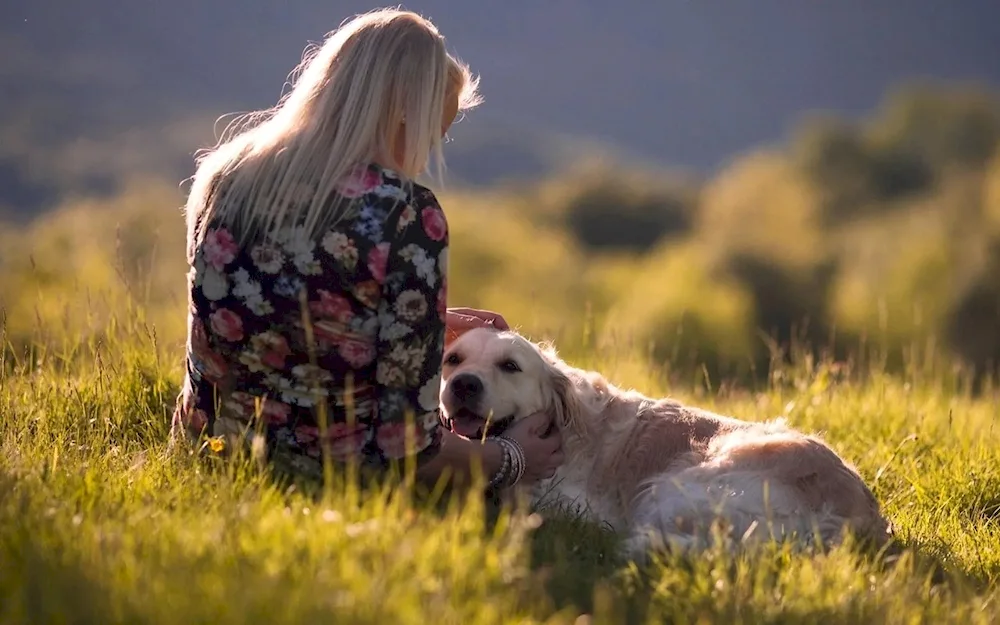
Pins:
<point x="37" y="166"/>
<point x="92" y="89"/>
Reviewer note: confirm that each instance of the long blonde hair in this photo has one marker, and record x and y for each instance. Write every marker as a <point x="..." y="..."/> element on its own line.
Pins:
<point x="283" y="165"/>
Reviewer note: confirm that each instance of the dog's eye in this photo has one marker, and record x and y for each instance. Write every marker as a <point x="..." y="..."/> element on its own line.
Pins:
<point x="509" y="366"/>
<point x="453" y="359"/>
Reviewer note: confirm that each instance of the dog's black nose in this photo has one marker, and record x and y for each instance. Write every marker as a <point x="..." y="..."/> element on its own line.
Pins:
<point x="466" y="387"/>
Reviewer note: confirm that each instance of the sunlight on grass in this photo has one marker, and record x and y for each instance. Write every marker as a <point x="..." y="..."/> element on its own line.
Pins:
<point x="101" y="522"/>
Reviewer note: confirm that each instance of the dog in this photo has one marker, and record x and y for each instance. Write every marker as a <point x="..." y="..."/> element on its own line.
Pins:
<point x="663" y="474"/>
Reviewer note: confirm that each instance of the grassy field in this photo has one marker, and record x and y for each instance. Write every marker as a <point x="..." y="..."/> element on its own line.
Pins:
<point x="100" y="522"/>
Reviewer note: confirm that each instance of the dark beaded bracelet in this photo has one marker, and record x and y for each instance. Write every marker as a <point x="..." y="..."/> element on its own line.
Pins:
<point x="518" y="462"/>
<point x="503" y="475"/>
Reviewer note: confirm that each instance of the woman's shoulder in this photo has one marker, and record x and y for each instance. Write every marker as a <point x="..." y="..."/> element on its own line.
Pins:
<point x="384" y="182"/>
<point x="423" y="196"/>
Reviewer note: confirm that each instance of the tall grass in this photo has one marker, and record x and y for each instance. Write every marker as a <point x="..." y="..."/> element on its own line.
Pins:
<point x="101" y="521"/>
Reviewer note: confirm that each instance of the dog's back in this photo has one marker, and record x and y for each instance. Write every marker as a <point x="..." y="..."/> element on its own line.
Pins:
<point x="762" y="481"/>
<point x="665" y="472"/>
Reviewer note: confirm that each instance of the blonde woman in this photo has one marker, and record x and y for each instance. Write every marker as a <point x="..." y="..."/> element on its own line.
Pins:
<point x="318" y="268"/>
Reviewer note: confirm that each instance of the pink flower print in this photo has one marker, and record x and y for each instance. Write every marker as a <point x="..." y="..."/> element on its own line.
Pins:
<point x="358" y="182"/>
<point x="378" y="258"/>
<point x="219" y="248"/>
<point x="267" y="348"/>
<point x="275" y="357"/>
<point x="332" y="306"/>
<point x="345" y="441"/>
<point x="186" y="413"/>
<point x="329" y="332"/>
<point x="249" y="406"/>
<point x="305" y="434"/>
<point x="357" y="353"/>
<point x="212" y="366"/>
<point x="199" y="340"/>
<point x="392" y="439"/>
<point x="195" y="419"/>
<point x="275" y="412"/>
<point x="442" y="302"/>
<point x="434" y="223"/>
<point x="208" y="363"/>
<point x="227" y="324"/>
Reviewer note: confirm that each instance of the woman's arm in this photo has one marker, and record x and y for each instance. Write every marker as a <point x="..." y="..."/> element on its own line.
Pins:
<point x="458" y="456"/>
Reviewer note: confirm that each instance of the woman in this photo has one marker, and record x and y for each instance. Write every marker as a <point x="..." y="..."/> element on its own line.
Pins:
<point x="318" y="269"/>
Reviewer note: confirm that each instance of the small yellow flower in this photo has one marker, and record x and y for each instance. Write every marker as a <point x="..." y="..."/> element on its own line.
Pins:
<point x="216" y="444"/>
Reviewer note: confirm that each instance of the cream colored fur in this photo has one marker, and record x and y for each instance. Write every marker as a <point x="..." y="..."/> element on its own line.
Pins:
<point x="660" y="472"/>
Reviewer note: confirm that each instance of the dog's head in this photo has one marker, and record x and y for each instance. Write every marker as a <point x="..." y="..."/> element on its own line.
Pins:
<point x="491" y="379"/>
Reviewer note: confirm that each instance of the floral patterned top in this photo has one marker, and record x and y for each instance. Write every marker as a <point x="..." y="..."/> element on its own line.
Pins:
<point x="351" y="321"/>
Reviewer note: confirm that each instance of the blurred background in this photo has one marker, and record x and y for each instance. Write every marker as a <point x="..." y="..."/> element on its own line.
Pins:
<point x="706" y="182"/>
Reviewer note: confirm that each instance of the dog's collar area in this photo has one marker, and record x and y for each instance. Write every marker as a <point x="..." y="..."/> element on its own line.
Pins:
<point x="494" y="428"/>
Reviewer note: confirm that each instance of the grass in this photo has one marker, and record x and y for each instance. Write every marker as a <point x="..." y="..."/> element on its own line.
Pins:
<point x="102" y="522"/>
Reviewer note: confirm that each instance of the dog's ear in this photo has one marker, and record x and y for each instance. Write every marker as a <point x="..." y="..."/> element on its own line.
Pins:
<point x="572" y="394"/>
<point x="571" y="412"/>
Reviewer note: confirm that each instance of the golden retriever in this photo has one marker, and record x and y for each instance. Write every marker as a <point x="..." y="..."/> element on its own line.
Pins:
<point x="657" y="471"/>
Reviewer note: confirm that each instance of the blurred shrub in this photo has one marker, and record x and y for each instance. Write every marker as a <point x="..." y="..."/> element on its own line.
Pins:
<point x="946" y="128"/>
<point x="759" y="207"/>
<point x="973" y="328"/>
<point x="683" y="313"/>
<point x="991" y="196"/>
<point x="609" y="209"/>
<point x="763" y="223"/>
<point x="850" y="174"/>
<point x="919" y="136"/>
<point x="885" y="232"/>
<point x="894" y="283"/>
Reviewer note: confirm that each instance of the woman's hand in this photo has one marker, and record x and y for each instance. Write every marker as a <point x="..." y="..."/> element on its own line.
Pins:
<point x="542" y="456"/>
<point x="461" y="320"/>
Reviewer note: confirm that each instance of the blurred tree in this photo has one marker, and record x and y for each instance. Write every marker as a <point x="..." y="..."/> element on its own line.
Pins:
<point x="761" y="207"/>
<point x="687" y="316"/>
<point x="790" y="305"/>
<point x="612" y="210"/>
<point x="899" y="174"/>
<point x="973" y="328"/>
<point x="834" y="157"/>
<point x="887" y="231"/>
<point x="852" y="176"/>
<point x="762" y="219"/>
<point x="944" y="127"/>
<point x="895" y="283"/>
<point x="921" y="133"/>
<point x="991" y="196"/>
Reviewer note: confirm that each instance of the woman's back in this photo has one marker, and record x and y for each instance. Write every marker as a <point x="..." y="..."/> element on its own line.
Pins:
<point x="348" y="322"/>
<point x="317" y="326"/>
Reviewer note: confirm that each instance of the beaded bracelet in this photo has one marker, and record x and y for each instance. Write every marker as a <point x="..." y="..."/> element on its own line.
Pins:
<point x="519" y="463"/>
<point x="502" y="474"/>
<point x="512" y="469"/>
